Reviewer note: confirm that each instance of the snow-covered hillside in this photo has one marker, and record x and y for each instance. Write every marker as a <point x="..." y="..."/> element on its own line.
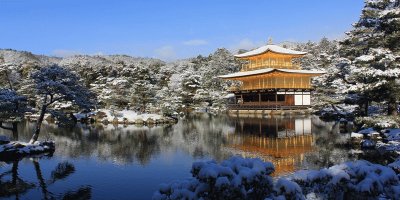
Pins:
<point x="141" y="84"/>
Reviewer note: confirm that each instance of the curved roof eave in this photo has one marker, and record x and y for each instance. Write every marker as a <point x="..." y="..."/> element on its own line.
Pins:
<point x="272" y="48"/>
<point x="269" y="70"/>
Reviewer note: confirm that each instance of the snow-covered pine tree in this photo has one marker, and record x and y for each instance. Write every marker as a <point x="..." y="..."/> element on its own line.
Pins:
<point x="8" y="75"/>
<point x="190" y="84"/>
<point x="220" y="62"/>
<point x="142" y="94"/>
<point x="373" y="50"/>
<point x="12" y="108"/>
<point x="58" y="84"/>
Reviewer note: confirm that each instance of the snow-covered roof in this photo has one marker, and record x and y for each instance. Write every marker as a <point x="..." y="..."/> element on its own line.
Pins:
<point x="268" y="70"/>
<point x="247" y="73"/>
<point x="270" y="47"/>
<point x="301" y="71"/>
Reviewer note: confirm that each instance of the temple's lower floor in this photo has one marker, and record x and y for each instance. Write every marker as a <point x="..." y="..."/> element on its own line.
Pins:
<point x="270" y="99"/>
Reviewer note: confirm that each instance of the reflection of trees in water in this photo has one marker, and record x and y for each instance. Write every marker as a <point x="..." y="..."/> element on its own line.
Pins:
<point x="201" y="135"/>
<point x="112" y="143"/>
<point x="17" y="186"/>
<point x="204" y="135"/>
<point x="13" y="127"/>
<point x="328" y="139"/>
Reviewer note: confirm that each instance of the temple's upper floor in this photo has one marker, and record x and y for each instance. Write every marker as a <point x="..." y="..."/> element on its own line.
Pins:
<point x="269" y="56"/>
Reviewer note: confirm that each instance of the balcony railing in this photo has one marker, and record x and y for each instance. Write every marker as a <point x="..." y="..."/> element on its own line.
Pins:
<point x="248" y="67"/>
<point x="266" y="107"/>
<point x="277" y="86"/>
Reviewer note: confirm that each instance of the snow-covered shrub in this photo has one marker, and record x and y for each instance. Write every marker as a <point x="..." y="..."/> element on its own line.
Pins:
<point x="381" y="122"/>
<point x="360" y="180"/>
<point x="392" y="134"/>
<point x="288" y="189"/>
<point x="395" y="166"/>
<point x="235" y="178"/>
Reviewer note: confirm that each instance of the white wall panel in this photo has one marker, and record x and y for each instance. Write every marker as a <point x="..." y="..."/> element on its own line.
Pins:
<point x="306" y="100"/>
<point x="298" y="100"/>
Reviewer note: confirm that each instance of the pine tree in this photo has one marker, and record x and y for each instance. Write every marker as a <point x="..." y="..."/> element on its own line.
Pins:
<point x="58" y="84"/>
<point x="373" y="50"/>
<point x="12" y="108"/>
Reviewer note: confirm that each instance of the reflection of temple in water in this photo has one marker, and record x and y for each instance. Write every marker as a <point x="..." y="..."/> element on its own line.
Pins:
<point x="282" y="141"/>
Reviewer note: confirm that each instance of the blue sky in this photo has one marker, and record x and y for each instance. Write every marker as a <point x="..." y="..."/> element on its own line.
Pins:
<point x="167" y="29"/>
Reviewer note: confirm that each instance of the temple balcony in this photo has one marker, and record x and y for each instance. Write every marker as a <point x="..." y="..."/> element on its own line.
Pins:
<point x="266" y="106"/>
<point x="277" y="86"/>
<point x="251" y="66"/>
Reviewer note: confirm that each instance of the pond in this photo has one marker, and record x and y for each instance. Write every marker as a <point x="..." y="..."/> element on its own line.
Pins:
<point x="129" y="162"/>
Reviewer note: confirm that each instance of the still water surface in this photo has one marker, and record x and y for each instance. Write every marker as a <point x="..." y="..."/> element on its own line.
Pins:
<point x="129" y="162"/>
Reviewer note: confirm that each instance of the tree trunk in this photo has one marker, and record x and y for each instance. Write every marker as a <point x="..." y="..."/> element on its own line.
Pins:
<point x="15" y="130"/>
<point x="392" y="107"/>
<point x="39" y="124"/>
<point x="9" y="81"/>
<point x="366" y="105"/>
<point x="15" y="179"/>
<point x="42" y="182"/>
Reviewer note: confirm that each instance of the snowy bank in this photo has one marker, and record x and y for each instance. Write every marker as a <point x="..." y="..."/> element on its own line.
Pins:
<point x="127" y="117"/>
<point x="336" y="112"/>
<point x="244" y="178"/>
<point x="350" y="180"/>
<point x="385" y="141"/>
<point x="14" y="149"/>
<point x="391" y="142"/>
<point x="378" y="122"/>
<point x="235" y="178"/>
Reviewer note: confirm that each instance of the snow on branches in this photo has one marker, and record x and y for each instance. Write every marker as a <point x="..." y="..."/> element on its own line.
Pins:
<point x="246" y="178"/>
<point x="235" y="178"/>
<point x="11" y="104"/>
<point x="56" y="83"/>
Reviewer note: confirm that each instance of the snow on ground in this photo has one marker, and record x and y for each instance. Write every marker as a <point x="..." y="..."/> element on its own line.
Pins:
<point x="370" y="138"/>
<point x="392" y="134"/>
<point x="235" y="178"/>
<point x="393" y="141"/>
<point x="244" y="178"/>
<point x="129" y="128"/>
<point x="359" y="179"/>
<point x="356" y="135"/>
<point x="365" y="58"/>
<point x="390" y="146"/>
<point x="128" y="115"/>
<point x="338" y="111"/>
<point x="14" y="149"/>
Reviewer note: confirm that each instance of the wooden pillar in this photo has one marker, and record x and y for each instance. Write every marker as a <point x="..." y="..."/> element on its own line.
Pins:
<point x="263" y="83"/>
<point x="301" y="82"/>
<point x="276" y="128"/>
<point x="284" y="82"/>
<point x="259" y="98"/>
<point x="269" y="61"/>
<point x="293" y="83"/>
